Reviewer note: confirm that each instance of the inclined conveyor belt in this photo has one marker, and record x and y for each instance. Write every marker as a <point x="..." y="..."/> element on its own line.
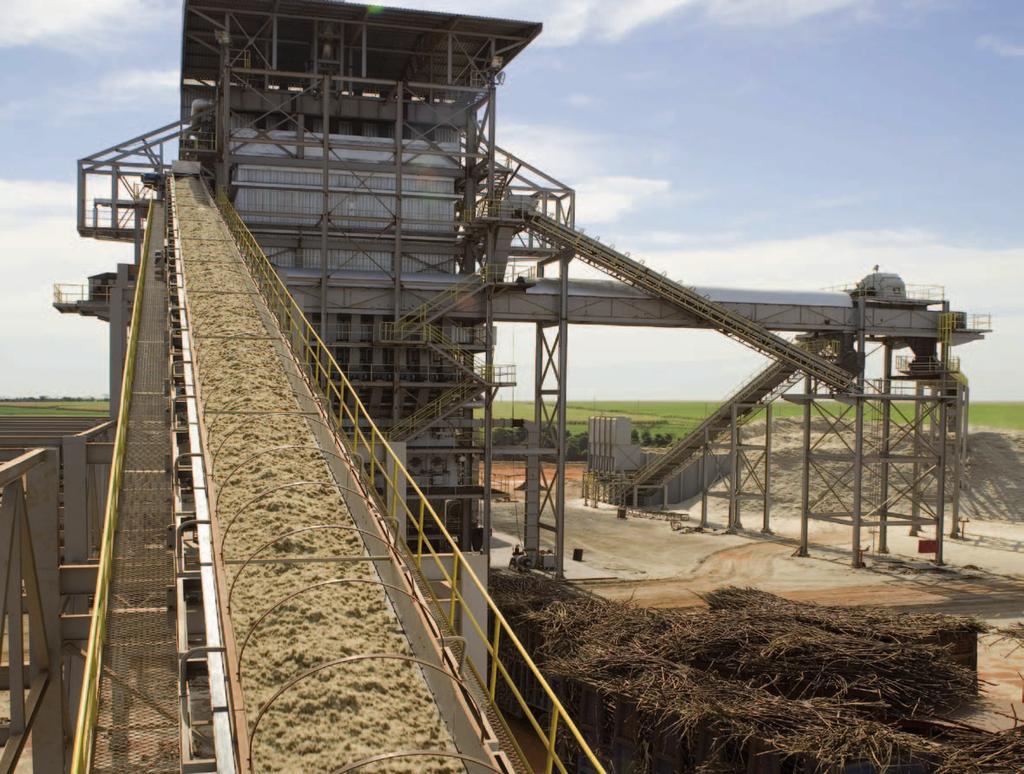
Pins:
<point x="340" y="646"/>
<point x="632" y="272"/>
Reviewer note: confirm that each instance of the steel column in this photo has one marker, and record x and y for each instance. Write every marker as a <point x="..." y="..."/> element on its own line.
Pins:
<point x="805" y="481"/>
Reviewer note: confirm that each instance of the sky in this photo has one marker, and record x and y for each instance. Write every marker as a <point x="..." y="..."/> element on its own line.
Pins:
<point x="751" y="143"/>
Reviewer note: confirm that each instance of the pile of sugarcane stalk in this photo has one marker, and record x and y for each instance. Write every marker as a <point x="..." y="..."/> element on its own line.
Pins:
<point x="832" y="685"/>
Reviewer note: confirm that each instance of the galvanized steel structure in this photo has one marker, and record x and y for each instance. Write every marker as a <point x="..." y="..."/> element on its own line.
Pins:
<point x="355" y="148"/>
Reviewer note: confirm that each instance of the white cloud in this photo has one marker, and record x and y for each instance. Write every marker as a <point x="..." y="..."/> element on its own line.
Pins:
<point x="123" y="91"/>
<point x="999" y="46"/>
<point x="568" y="21"/>
<point x="606" y="198"/>
<point x="52" y="353"/>
<point x="698" y="365"/>
<point x="77" y="25"/>
<point x="580" y="100"/>
<point x="780" y="12"/>
<point x="595" y="165"/>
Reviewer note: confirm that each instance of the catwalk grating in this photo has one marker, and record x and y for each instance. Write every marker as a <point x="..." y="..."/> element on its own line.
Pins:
<point x="138" y="727"/>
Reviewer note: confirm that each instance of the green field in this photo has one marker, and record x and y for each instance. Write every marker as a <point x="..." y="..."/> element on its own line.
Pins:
<point x="673" y="417"/>
<point x="1005" y="416"/>
<point x="678" y="417"/>
<point x="53" y="408"/>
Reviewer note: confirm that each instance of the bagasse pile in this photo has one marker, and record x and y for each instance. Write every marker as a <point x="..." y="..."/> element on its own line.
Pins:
<point x="828" y="684"/>
<point x="347" y="712"/>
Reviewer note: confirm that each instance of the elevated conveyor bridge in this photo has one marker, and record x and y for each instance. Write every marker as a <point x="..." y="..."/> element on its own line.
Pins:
<point x="631" y="272"/>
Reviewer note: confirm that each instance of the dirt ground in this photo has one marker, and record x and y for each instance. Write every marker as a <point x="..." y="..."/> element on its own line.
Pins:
<point x="664" y="562"/>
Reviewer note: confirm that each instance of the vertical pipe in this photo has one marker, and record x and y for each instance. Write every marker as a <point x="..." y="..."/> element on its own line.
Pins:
<point x="118" y="324"/>
<point x="325" y="216"/>
<point x="563" y="367"/>
<point x="734" y="473"/>
<point x="488" y="424"/>
<point x="114" y="213"/>
<point x="224" y="117"/>
<point x="363" y="64"/>
<point x="273" y="43"/>
<point x="858" y="478"/>
<point x="81" y="197"/>
<point x="535" y="463"/>
<point x="396" y="260"/>
<point x="940" y="481"/>
<point x="704" y="485"/>
<point x="766" y="527"/>
<point x="805" y="480"/>
<point x="883" y="506"/>
<point x="492" y="110"/>
<point x="954" y="449"/>
<point x="917" y="491"/>
<point x="449" y="60"/>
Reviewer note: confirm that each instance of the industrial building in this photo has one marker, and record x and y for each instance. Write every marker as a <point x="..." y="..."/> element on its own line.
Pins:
<point x="302" y="382"/>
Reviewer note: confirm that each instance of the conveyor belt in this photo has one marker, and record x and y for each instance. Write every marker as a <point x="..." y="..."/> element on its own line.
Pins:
<point x="137" y="720"/>
<point x="634" y="273"/>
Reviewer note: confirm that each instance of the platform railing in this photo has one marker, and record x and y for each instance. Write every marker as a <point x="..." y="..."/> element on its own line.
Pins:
<point x="65" y="293"/>
<point x="358" y="432"/>
<point x="88" y="708"/>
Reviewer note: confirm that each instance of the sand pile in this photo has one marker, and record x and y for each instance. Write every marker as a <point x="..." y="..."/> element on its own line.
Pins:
<point x="993" y="485"/>
<point x="261" y="443"/>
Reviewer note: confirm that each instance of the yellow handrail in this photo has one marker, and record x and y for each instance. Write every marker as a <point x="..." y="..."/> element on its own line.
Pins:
<point x="88" y="707"/>
<point x="344" y="405"/>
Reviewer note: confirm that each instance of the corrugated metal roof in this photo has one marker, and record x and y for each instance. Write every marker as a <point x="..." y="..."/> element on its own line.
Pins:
<point x="514" y="34"/>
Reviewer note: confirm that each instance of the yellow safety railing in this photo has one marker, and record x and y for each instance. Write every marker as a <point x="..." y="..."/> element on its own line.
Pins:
<point x="635" y="273"/>
<point x="435" y="409"/>
<point x="66" y="293"/>
<point x="358" y="432"/>
<point x="88" y="707"/>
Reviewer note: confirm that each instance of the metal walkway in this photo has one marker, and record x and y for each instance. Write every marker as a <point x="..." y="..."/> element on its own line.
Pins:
<point x="137" y="720"/>
<point x="751" y="396"/>
<point x="633" y="273"/>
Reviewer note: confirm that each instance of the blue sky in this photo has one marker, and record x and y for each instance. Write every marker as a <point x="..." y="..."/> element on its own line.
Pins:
<point x="766" y="143"/>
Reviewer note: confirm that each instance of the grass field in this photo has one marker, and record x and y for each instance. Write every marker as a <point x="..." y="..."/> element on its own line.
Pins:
<point x="678" y="417"/>
<point x="53" y="408"/>
<point x="674" y="417"/>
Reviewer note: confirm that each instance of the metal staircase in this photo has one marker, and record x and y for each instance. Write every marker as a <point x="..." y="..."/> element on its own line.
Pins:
<point x="763" y="388"/>
<point x="423" y="326"/>
<point x="634" y="273"/>
<point x="444" y="404"/>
